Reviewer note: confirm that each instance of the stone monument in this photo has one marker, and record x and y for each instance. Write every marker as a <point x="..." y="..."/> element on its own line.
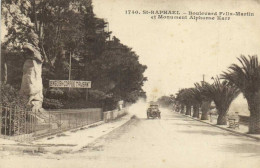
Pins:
<point x="32" y="87"/>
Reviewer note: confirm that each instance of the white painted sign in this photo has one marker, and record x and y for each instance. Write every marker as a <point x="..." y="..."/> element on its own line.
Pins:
<point x="70" y="83"/>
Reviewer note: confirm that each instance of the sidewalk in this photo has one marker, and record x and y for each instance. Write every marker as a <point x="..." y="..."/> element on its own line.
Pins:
<point x="69" y="141"/>
<point x="242" y="130"/>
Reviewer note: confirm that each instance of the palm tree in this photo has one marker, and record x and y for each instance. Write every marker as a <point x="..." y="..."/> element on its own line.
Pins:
<point x="188" y="100"/>
<point x="194" y="98"/>
<point x="222" y="93"/>
<point x="247" y="78"/>
<point x="196" y="110"/>
<point x="184" y="97"/>
<point x="179" y="99"/>
<point x="204" y="101"/>
<point x="205" y="107"/>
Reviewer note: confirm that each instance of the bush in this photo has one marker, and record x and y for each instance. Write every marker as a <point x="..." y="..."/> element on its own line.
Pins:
<point x="55" y="93"/>
<point x="96" y="95"/>
<point x="76" y="93"/>
<point x="15" y="61"/>
<point x="11" y="97"/>
<point x="51" y="104"/>
<point x="81" y="103"/>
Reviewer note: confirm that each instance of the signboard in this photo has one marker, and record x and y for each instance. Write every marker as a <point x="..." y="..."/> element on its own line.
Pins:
<point x="70" y="83"/>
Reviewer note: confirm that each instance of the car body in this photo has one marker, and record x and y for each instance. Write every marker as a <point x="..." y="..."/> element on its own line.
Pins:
<point x="153" y="111"/>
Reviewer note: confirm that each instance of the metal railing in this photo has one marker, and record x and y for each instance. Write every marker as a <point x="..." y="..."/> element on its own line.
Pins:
<point x="23" y="125"/>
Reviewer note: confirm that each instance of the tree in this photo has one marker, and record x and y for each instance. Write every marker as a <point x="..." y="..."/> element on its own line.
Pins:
<point x="202" y="99"/>
<point x="180" y="100"/>
<point x="184" y="96"/>
<point x="21" y="34"/>
<point x="247" y="78"/>
<point x="166" y="101"/>
<point x="69" y="29"/>
<point x="3" y="67"/>
<point x="196" y="97"/>
<point x="17" y="22"/>
<point x="222" y="93"/>
<point x="117" y="70"/>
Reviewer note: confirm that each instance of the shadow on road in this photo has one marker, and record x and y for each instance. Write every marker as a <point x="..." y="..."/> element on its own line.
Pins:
<point x="205" y="132"/>
<point x="197" y="125"/>
<point x="244" y="148"/>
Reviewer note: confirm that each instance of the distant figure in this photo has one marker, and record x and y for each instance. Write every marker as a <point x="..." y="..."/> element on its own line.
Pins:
<point x="210" y="116"/>
<point x="237" y="116"/>
<point x="120" y="105"/>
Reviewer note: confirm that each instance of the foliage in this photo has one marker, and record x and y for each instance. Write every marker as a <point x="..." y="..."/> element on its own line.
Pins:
<point x="245" y="77"/>
<point x="68" y="30"/>
<point x="14" y="61"/>
<point x="222" y="93"/>
<point x="97" y="95"/>
<point x="52" y="103"/>
<point x="11" y="97"/>
<point x="81" y="103"/>
<point x="17" y="21"/>
<point x="199" y="92"/>
<point x="55" y="93"/>
<point x="166" y="101"/>
<point x="118" y="71"/>
<point x="184" y="96"/>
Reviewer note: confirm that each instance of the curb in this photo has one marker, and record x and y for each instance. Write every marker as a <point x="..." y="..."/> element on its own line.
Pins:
<point x="52" y="148"/>
<point x="226" y="129"/>
<point x="132" y="119"/>
<point x="41" y="148"/>
<point x="71" y="130"/>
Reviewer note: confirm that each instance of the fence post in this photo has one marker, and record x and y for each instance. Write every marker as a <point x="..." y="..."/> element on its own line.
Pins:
<point x="76" y="120"/>
<point x="88" y="118"/>
<point x="5" y="110"/>
<point x="60" y="120"/>
<point x="35" y="122"/>
<point x="10" y="121"/>
<point x="18" y="120"/>
<point x="49" y="121"/>
<point x="31" y="125"/>
<point x="15" y="120"/>
<point x="69" y="120"/>
<point x="81" y="119"/>
<point x="25" y="118"/>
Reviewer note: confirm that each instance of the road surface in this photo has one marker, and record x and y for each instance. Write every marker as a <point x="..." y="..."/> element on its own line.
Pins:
<point x="174" y="141"/>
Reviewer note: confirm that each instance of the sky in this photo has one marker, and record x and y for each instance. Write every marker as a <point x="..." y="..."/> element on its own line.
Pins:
<point x="179" y="52"/>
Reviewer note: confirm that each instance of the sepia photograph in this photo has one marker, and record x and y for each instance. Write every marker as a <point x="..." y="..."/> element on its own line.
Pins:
<point x="130" y="84"/>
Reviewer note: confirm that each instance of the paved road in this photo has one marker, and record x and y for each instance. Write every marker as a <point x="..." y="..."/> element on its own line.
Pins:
<point x="174" y="141"/>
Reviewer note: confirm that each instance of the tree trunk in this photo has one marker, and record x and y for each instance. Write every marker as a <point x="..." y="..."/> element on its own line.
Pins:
<point x="205" y="109"/>
<point x="182" y="109"/>
<point x="188" y="110"/>
<point x="3" y="69"/>
<point x="222" y="117"/>
<point x="5" y="73"/>
<point x="254" y="108"/>
<point x="196" y="111"/>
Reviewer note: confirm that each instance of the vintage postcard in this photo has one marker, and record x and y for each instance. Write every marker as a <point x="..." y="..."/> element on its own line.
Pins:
<point x="130" y="84"/>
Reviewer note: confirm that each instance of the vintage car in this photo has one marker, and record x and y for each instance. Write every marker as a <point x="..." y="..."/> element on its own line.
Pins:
<point x="153" y="111"/>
